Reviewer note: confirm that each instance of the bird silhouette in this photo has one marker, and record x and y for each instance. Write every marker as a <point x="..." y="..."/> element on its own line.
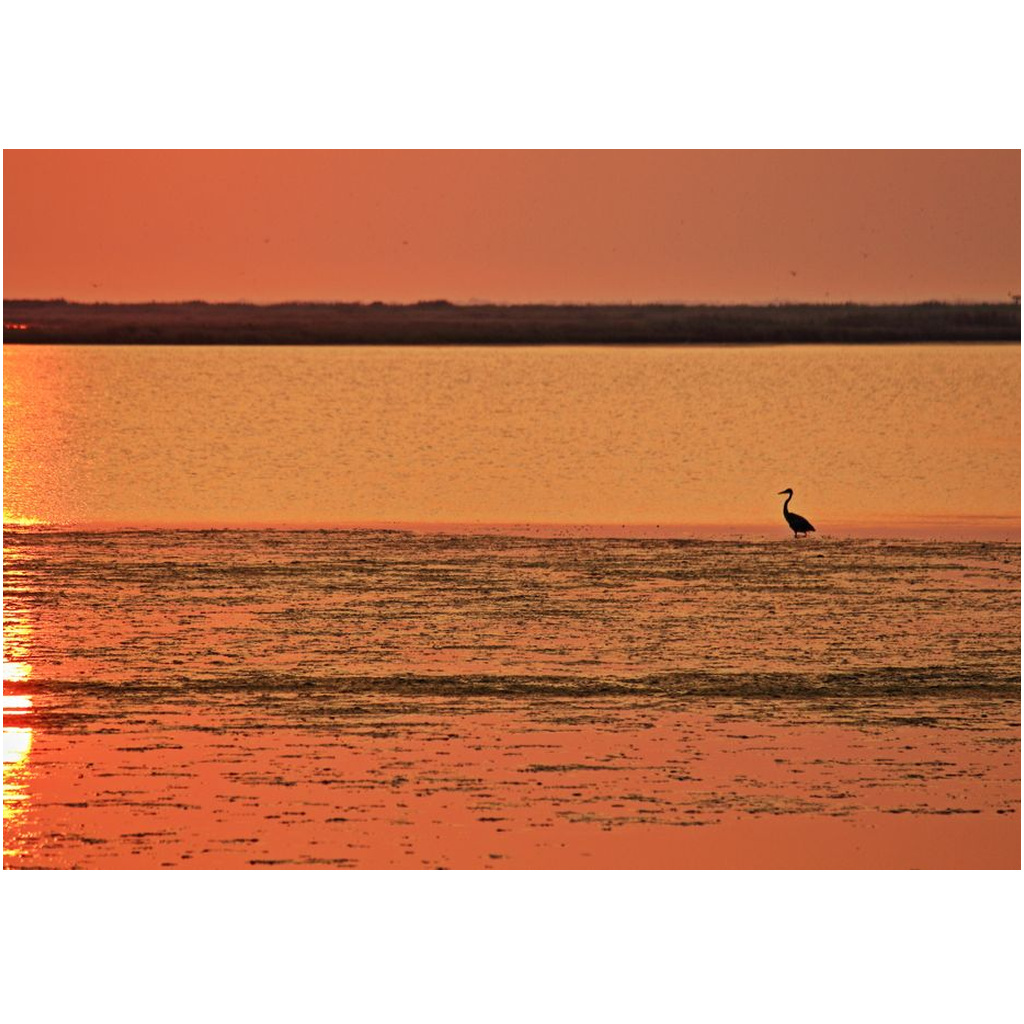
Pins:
<point x="797" y="524"/>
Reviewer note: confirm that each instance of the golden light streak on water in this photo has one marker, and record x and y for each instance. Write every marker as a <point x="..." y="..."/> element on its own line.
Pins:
<point x="17" y="746"/>
<point x="15" y="672"/>
<point x="16" y="706"/>
<point x="11" y="519"/>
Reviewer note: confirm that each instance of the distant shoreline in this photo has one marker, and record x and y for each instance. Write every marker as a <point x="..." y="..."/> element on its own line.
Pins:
<point x="442" y="323"/>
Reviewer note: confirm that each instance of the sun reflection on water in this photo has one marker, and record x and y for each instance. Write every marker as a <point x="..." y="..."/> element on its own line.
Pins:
<point x="16" y="519"/>
<point x="16" y="672"/>
<point x="17" y="734"/>
<point x="17" y="745"/>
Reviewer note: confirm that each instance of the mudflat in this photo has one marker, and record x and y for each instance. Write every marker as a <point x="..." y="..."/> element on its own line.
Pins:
<point x="243" y="698"/>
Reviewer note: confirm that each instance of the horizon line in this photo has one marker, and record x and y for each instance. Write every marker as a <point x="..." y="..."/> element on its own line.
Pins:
<point x="440" y="302"/>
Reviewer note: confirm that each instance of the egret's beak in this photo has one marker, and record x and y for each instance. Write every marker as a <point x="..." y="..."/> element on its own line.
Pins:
<point x="783" y="492"/>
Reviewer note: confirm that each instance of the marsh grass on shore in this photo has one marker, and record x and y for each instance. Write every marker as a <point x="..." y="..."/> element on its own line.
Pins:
<point x="441" y="322"/>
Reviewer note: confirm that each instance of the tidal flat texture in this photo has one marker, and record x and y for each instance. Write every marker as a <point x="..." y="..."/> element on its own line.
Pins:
<point x="248" y="698"/>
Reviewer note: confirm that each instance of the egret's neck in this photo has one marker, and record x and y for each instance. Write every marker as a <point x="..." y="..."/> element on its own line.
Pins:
<point x="785" y="504"/>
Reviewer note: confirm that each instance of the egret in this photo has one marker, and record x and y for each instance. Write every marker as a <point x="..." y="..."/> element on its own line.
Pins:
<point x="797" y="524"/>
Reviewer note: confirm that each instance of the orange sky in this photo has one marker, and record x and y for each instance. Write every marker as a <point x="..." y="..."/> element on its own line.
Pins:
<point x="512" y="226"/>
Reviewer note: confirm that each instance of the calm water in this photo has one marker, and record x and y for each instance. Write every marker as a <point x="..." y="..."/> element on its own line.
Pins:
<point x="871" y="438"/>
<point x="363" y="698"/>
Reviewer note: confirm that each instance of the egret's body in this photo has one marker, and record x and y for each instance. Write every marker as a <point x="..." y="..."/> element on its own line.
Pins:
<point x="797" y="524"/>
